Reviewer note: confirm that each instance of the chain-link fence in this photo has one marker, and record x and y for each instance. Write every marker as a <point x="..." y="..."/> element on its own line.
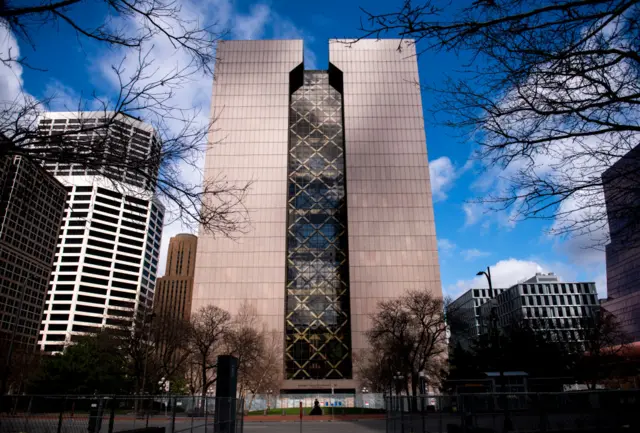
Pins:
<point x="109" y="414"/>
<point x="597" y="411"/>
<point x="338" y="403"/>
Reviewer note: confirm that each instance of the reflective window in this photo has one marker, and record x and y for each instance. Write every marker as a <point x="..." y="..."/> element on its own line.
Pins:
<point x="317" y="319"/>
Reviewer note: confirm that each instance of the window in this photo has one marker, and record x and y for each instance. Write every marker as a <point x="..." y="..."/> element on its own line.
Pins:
<point x="102" y="217"/>
<point x="93" y="290"/>
<point x="72" y="250"/>
<point x="59" y="317"/>
<point x="84" y="188"/>
<point x="99" y="253"/>
<point x="63" y="297"/>
<point x="121" y="294"/>
<point x="525" y="290"/>
<point x="130" y="241"/>
<point x="116" y="303"/>
<point x="60" y="307"/>
<point x="109" y="193"/>
<point x="91" y="299"/>
<point x="95" y="271"/>
<point x="128" y="259"/>
<point x="92" y="280"/>
<point x="102" y="236"/>
<point x="58" y="326"/>
<point x="105" y="227"/>
<point x="100" y="244"/>
<point x="106" y="209"/>
<point x="97" y="262"/>
<point x="83" y="328"/>
<point x="88" y="309"/>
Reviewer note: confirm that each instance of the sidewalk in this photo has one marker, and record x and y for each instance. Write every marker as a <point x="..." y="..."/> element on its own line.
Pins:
<point x="306" y="418"/>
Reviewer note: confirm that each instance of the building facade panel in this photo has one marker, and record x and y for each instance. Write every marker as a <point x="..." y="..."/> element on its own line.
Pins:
<point x="392" y="240"/>
<point x="250" y="144"/>
<point x="31" y="207"/>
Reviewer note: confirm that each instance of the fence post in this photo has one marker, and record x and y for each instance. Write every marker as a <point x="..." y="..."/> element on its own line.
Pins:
<point x="61" y="415"/>
<point x="112" y="415"/>
<point x="193" y="413"/>
<point x="26" y="418"/>
<point x="173" y="413"/>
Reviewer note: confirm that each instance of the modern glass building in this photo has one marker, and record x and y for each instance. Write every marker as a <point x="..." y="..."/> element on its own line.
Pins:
<point x="340" y="200"/>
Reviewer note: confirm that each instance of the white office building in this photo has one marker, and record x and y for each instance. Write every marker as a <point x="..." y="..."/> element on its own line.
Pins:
<point x="104" y="271"/>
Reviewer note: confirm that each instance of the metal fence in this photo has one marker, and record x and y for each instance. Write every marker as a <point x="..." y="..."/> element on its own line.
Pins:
<point x="365" y="401"/>
<point x="597" y="411"/>
<point x="109" y="414"/>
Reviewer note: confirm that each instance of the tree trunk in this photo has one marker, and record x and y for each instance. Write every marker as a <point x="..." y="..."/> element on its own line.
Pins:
<point x="414" y="391"/>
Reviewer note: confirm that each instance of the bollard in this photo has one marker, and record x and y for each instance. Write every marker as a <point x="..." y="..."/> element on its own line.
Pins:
<point x="301" y="417"/>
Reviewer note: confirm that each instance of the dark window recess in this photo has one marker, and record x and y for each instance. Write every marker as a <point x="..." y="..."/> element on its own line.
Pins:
<point x="94" y="290"/>
<point x="135" y="260"/>
<point x="88" y="319"/>
<point x="107" y="201"/>
<point x="130" y="208"/>
<point x="127" y="267"/>
<point x="66" y="277"/>
<point x="95" y="271"/>
<point x="72" y="250"/>
<point x="82" y="198"/>
<point x="55" y="337"/>
<point x="64" y="287"/>
<point x="78" y="214"/>
<point x="88" y="309"/>
<point x="53" y="347"/>
<point x="136" y="200"/>
<point x="73" y="241"/>
<point x="130" y="241"/>
<point x="68" y="268"/>
<point x="77" y="206"/>
<point x="109" y="193"/>
<point x="116" y="303"/>
<point x="134" y="217"/>
<point x="125" y="276"/>
<point x="72" y="259"/>
<point x="75" y="232"/>
<point x="58" y="317"/>
<point x="99" y="253"/>
<point x="91" y="299"/>
<point x="83" y="328"/>
<point x="106" y="227"/>
<point x="97" y="262"/>
<point x="124" y="249"/>
<point x="106" y="209"/>
<point x="118" y="322"/>
<point x="120" y="294"/>
<point x="61" y="307"/>
<point x="100" y="244"/>
<point x="121" y="313"/>
<point x="133" y="225"/>
<point x="61" y="297"/>
<point x="121" y="285"/>
<point x="57" y="327"/>
<point x="92" y="280"/>
<point x="84" y="188"/>
<point x="131" y="233"/>
<point x="77" y="223"/>
<point x="102" y="235"/>
<point x="101" y="217"/>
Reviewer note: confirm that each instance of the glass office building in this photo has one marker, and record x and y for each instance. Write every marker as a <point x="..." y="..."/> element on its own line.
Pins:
<point x="340" y="200"/>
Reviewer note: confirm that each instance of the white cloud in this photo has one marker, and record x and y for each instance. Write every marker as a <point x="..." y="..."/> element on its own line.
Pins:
<point x="473" y="212"/>
<point x="442" y="173"/>
<point x="252" y="26"/>
<point x="474" y="253"/>
<point x="508" y="272"/>
<point x="445" y="247"/>
<point x="10" y="75"/>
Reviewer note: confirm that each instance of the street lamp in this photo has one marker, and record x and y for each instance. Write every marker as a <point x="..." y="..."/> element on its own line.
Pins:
<point x="493" y="320"/>
<point x="164" y="386"/>
<point x="269" y="392"/>
<point x="488" y="275"/>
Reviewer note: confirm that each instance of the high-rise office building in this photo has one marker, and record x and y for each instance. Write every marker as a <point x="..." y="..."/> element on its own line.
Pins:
<point x="31" y="207"/>
<point x="340" y="204"/>
<point x="175" y="289"/>
<point x="622" y="196"/>
<point x="105" y="267"/>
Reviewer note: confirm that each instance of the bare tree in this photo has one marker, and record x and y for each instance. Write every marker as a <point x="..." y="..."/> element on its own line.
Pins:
<point x="145" y="90"/>
<point x="209" y="327"/>
<point x="410" y="333"/>
<point x="549" y="90"/>
<point x="373" y="371"/>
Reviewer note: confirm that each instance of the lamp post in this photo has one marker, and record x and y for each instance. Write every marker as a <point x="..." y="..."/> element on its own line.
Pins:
<point x="495" y="341"/>
<point x="269" y="392"/>
<point x="164" y="386"/>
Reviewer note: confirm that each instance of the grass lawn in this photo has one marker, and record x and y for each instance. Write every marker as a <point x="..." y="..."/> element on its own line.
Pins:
<point x="325" y="411"/>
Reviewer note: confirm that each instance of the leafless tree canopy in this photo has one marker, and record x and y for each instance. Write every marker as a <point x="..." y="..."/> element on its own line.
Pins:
<point x="409" y="335"/>
<point x="209" y="325"/>
<point x="145" y="90"/>
<point x="550" y="90"/>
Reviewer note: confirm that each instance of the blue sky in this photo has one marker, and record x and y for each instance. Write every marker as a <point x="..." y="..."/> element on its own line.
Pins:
<point x="469" y="237"/>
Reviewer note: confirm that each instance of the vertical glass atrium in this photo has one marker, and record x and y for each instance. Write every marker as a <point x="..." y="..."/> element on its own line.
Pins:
<point x="318" y="336"/>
